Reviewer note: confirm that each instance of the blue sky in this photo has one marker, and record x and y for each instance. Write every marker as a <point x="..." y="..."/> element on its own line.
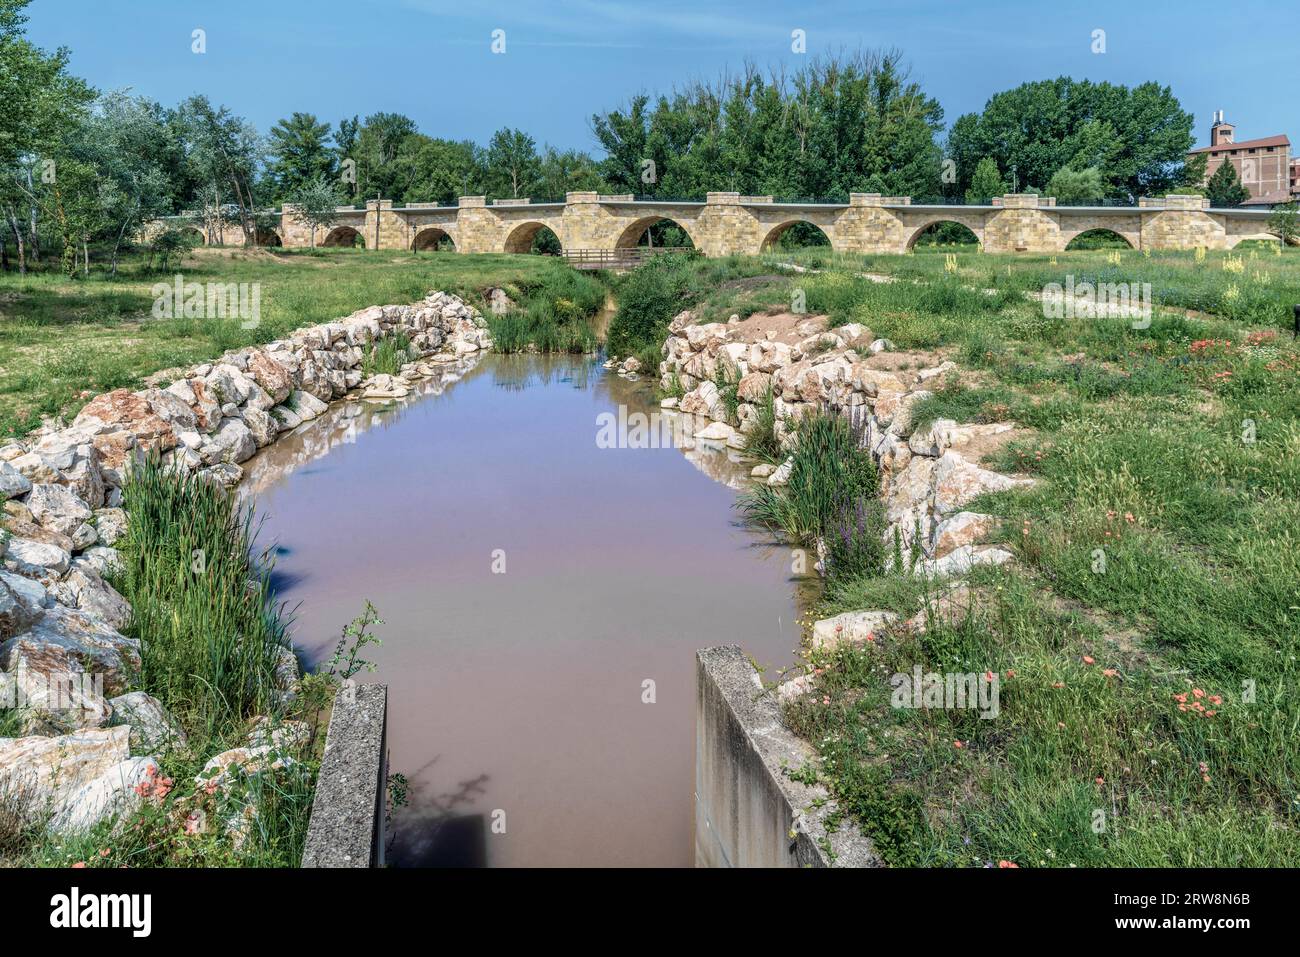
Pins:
<point x="566" y="59"/>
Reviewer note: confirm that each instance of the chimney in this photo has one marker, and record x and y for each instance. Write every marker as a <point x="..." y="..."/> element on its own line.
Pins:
<point x="1221" y="131"/>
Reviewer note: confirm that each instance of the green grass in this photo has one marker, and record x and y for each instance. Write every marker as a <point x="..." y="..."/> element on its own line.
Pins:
<point x="387" y="356"/>
<point x="211" y="636"/>
<point x="1157" y="556"/>
<point x="831" y="495"/>
<point x="210" y="641"/>
<point x="63" y="340"/>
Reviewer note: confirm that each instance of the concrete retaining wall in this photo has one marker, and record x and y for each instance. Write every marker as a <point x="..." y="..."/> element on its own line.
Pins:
<point x="748" y="813"/>
<point x="347" y="815"/>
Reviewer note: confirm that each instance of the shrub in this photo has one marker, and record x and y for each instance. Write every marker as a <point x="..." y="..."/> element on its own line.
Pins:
<point x="648" y="297"/>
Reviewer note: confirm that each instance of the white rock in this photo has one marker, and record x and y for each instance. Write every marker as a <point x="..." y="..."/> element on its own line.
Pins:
<point x="152" y="728"/>
<point x="963" y="528"/>
<point x="113" y="794"/>
<point x="782" y="473"/>
<point x="716" y="432"/>
<point x="57" y="507"/>
<point x="794" y="688"/>
<point x="849" y="627"/>
<point x="235" y="441"/>
<point x="12" y="482"/>
<point x="110" y="523"/>
<point x="37" y="558"/>
<point x="306" y="405"/>
<point x="957" y="482"/>
<point x="961" y="560"/>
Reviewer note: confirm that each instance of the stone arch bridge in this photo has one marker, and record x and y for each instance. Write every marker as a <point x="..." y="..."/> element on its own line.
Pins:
<point x="728" y="223"/>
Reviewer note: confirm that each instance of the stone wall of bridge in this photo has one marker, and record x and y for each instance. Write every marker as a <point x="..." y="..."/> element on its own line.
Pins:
<point x="729" y="223"/>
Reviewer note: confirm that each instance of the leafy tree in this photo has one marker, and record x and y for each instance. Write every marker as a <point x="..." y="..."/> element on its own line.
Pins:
<point x="512" y="164"/>
<point x="378" y="144"/>
<point x="1076" y="185"/>
<point x="1283" y="223"/>
<point x="1136" y="137"/>
<point x="39" y="103"/>
<point x="1225" y="189"/>
<point x="564" y="171"/>
<point x="986" y="183"/>
<point x="440" y="171"/>
<point x="169" y="245"/>
<point x="317" y="204"/>
<point x="299" y="152"/>
<point x="127" y="142"/>
<point x="836" y="125"/>
<point x="223" y="152"/>
<point x="1194" y="170"/>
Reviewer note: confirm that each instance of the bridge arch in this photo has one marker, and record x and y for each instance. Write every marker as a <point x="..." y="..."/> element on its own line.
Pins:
<point x="1235" y="241"/>
<point x="631" y="235"/>
<point x="265" y="236"/>
<point x="803" y="228"/>
<point x="433" y="238"/>
<point x="520" y="239"/>
<point x="940" y="221"/>
<point x="341" y="236"/>
<point x="193" y="232"/>
<point x="1097" y="238"/>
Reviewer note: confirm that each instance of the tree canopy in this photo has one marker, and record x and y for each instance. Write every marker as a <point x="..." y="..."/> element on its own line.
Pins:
<point x="1136" y="138"/>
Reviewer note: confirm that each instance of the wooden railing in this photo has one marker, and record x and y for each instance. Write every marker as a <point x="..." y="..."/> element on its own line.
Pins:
<point x="618" y="258"/>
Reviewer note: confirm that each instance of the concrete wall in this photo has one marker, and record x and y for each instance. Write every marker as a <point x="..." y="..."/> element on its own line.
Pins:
<point x="747" y="812"/>
<point x="349" y="809"/>
<point x="728" y="223"/>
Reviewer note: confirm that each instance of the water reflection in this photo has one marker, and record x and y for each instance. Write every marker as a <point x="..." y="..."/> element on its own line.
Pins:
<point x="517" y="695"/>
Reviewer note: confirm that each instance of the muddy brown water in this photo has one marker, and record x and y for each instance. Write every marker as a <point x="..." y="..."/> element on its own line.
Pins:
<point x="531" y="584"/>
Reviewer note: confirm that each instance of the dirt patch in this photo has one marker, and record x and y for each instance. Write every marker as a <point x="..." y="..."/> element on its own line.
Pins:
<point x="786" y="327"/>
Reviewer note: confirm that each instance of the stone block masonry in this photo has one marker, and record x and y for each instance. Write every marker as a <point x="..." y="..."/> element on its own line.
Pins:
<point x="728" y="223"/>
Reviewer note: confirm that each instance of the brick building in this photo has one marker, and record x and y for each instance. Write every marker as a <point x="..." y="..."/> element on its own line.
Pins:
<point x="1264" y="166"/>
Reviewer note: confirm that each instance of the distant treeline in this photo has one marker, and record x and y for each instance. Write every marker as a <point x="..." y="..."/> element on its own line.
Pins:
<point x="78" y="166"/>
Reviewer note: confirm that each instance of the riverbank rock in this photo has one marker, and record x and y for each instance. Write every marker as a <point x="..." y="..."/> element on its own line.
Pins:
<point x="12" y="482"/>
<point x="152" y="728"/>
<point x="62" y="653"/>
<point x="72" y="782"/>
<point x="928" y="475"/>
<point x="57" y="507"/>
<point x="851" y="627"/>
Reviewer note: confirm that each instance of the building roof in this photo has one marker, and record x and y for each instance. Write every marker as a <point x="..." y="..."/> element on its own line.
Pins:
<point x="1245" y="144"/>
<point x="1275" y="198"/>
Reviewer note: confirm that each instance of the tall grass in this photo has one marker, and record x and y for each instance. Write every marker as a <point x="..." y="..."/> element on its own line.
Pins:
<point x="388" y="355"/>
<point x="210" y="633"/>
<point x="830" y="495"/>
<point x="761" y="441"/>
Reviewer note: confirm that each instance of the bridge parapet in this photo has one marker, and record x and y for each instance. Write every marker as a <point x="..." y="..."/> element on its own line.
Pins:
<point x="875" y="199"/>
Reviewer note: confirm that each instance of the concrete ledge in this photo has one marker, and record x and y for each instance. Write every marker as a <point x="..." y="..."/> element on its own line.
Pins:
<point x="748" y="813"/>
<point x="347" y="814"/>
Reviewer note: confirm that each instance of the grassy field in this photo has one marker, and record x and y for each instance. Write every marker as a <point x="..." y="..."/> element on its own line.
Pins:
<point x="1146" y="637"/>
<point x="62" y="340"/>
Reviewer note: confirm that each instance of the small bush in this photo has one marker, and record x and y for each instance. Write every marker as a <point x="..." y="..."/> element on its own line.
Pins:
<point x="648" y="297"/>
